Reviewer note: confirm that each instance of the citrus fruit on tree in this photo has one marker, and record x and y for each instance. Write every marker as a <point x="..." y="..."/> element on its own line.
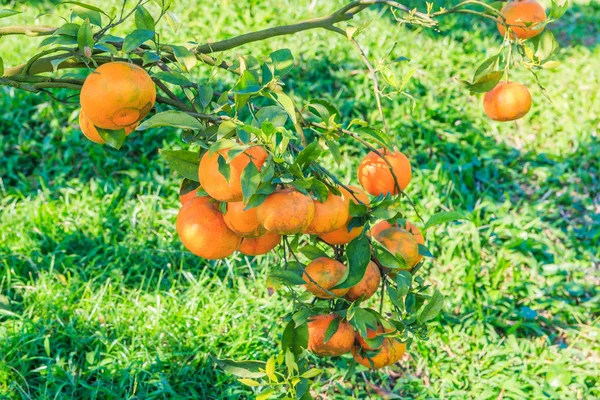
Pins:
<point x="507" y="101"/>
<point x="203" y="231"/>
<point x="343" y="235"/>
<point x="117" y="95"/>
<point x="90" y="131"/>
<point x="375" y="176"/>
<point x="329" y="215"/>
<point x="383" y="225"/>
<point x="243" y="222"/>
<point x="339" y="343"/>
<point x="286" y="212"/>
<point x="259" y="245"/>
<point x="324" y="273"/>
<point x="400" y="241"/>
<point x="375" y="338"/>
<point x="368" y="285"/>
<point x="216" y="184"/>
<point x="522" y="16"/>
<point x="390" y="351"/>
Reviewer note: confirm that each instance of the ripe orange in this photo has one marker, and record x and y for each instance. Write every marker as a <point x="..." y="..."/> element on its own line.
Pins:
<point x="389" y="353"/>
<point x="117" y="95"/>
<point x="383" y="225"/>
<point x="243" y="222"/>
<point x="374" y="173"/>
<point x="368" y="285"/>
<point x="330" y="215"/>
<point x="342" y="235"/>
<point x="402" y="242"/>
<point x="260" y="245"/>
<point x="340" y="343"/>
<point x="215" y="183"/>
<point x="371" y="334"/>
<point x="327" y="273"/>
<point x="286" y="212"/>
<point x="508" y="101"/>
<point x="519" y="14"/>
<point x="203" y="231"/>
<point x="90" y="131"/>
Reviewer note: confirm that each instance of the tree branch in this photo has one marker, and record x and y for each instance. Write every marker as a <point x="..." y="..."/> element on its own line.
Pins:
<point x="32" y="30"/>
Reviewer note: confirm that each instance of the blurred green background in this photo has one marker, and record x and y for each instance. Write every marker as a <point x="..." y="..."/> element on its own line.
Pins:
<point x="98" y="298"/>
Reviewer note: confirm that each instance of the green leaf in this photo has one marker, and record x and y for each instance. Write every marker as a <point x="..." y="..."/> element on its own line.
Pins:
<point x="557" y="11"/>
<point x="174" y="21"/>
<point x="311" y="252"/>
<point x="334" y="148"/>
<point x="185" y="57"/>
<point x="444" y="217"/>
<point x="143" y="19"/>
<point x="173" y="77"/>
<point x="320" y="190"/>
<point x="1" y="66"/>
<point x="288" y="105"/>
<point x="309" y="154"/>
<point x="85" y="12"/>
<point x="8" y="13"/>
<point x="432" y="308"/>
<point x="255" y="201"/>
<point x="331" y="329"/>
<point x="358" y="252"/>
<point x="485" y="83"/>
<point x="243" y="369"/>
<point x="386" y="258"/>
<point x="283" y="61"/>
<point x="324" y="109"/>
<point x="182" y="161"/>
<point x="205" y="95"/>
<point x="85" y="38"/>
<point x="270" y="369"/>
<point x="250" y="180"/>
<point x="486" y="67"/>
<point x="187" y="186"/>
<point x="274" y="114"/>
<point x="288" y="276"/>
<point x="249" y="382"/>
<point x="68" y="29"/>
<point x="136" y="38"/>
<point x="150" y="57"/>
<point x="114" y="139"/>
<point x="379" y="136"/>
<point x="176" y="119"/>
<point x="545" y="45"/>
<point x="404" y="282"/>
<point x="86" y="6"/>
<point x="247" y="84"/>
<point x="311" y="373"/>
<point x="265" y="394"/>
<point x="224" y="168"/>
<point x="424" y="251"/>
<point x="295" y="338"/>
<point x="301" y="316"/>
<point x="559" y="376"/>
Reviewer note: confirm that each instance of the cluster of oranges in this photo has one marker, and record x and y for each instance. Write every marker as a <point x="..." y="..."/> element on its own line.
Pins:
<point x="212" y="234"/>
<point x="509" y="101"/>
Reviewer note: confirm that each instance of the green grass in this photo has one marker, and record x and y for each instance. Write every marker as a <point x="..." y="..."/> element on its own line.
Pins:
<point x="100" y="300"/>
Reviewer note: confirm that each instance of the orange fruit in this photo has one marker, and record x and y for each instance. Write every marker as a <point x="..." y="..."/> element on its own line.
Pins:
<point x="327" y="273"/>
<point x="342" y="235"/>
<point x="203" y="231"/>
<point x="184" y="198"/>
<point x="339" y="343"/>
<point x="329" y="215"/>
<point x="400" y="241"/>
<point x="90" y="131"/>
<point x="117" y="95"/>
<point x="508" y="101"/>
<point x="389" y="353"/>
<point x="260" y="245"/>
<point x="383" y="225"/>
<point x="215" y="183"/>
<point x="243" y="222"/>
<point x="374" y="173"/>
<point x="371" y="334"/>
<point x="368" y="285"/>
<point x="520" y="13"/>
<point x="286" y="212"/>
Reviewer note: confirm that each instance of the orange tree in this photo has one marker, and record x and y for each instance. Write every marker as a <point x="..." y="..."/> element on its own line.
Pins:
<point x="253" y="180"/>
